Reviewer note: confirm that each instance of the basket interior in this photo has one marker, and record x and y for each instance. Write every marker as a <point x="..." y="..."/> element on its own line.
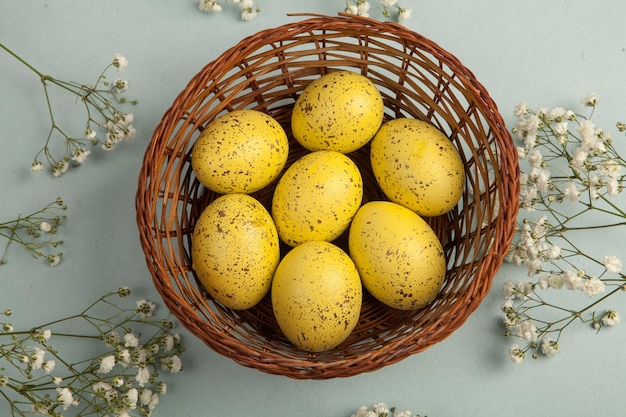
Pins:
<point x="267" y="72"/>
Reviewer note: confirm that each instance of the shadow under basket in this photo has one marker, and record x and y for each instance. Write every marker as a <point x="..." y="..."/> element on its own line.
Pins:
<point x="267" y="72"/>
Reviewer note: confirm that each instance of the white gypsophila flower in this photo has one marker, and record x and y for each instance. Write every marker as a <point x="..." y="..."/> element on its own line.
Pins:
<point x="143" y="376"/>
<point x="90" y="133"/>
<point x="106" y="364"/>
<point x="145" y="308"/>
<point x="209" y="6"/>
<point x="388" y="3"/>
<point x="404" y="14"/>
<point x="120" y="62"/>
<point x="64" y="397"/>
<point x="520" y="110"/>
<point x="45" y="335"/>
<point x="351" y="9"/>
<point x="610" y="318"/>
<point x="139" y="356"/>
<point x="167" y="342"/>
<point x="154" y="401"/>
<point x="613" y="264"/>
<point x="172" y="364"/>
<point x="117" y="381"/>
<point x="112" y="338"/>
<point x="590" y="100"/>
<point x="60" y="168"/>
<point x="556" y="114"/>
<point x="161" y="387"/>
<point x="535" y="159"/>
<point x="123" y="357"/>
<point x="54" y="260"/>
<point x="248" y="14"/>
<point x="145" y="396"/>
<point x="555" y="281"/>
<point x="571" y="192"/>
<point x="131" y="398"/>
<point x="572" y="281"/>
<point x="361" y="412"/>
<point x="104" y="390"/>
<point x="549" y="347"/>
<point x="526" y="330"/>
<point x="579" y="158"/>
<point x="36" y="359"/>
<point x="561" y="129"/>
<point x="541" y="178"/>
<point x="524" y="288"/>
<point x="131" y="340"/>
<point x="48" y="366"/>
<point x="533" y="266"/>
<point x="613" y="187"/>
<point x="36" y="167"/>
<point x="593" y="286"/>
<point x="516" y="354"/>
<point x="57" y="380"/>
<point x="508" y="290"/>
<point x="80" y="155"/>
<point x="45" y="226"/>
<point x="363" y="9"/>
<point x="554" y="252"/>
<point x="380" y="409"/>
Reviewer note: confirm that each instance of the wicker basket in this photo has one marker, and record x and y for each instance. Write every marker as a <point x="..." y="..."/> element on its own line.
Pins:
<point x="266" y="72"/>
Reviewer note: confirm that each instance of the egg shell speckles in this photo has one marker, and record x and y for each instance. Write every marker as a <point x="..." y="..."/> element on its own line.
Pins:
<point x="240" y="152"/>
<point x="235" y="250"/>
<point x="317" y="197"/>
<point x="399" y="258"/>
<point x="340" y="111"/>
<point x="417" y="166"/>
<point x="316" y="296"/>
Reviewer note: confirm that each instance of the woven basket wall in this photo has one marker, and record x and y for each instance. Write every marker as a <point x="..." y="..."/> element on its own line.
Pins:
<point x="266" y="72"/>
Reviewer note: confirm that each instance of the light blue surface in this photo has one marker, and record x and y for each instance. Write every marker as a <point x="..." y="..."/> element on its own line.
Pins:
<point x="548" y="53"/>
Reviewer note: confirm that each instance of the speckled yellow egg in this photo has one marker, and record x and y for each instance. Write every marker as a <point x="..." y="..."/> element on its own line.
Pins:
<point x="399" y="257"/>
<point x="240" y="152"/>
<point x="317" y="197"/>
<point x="416" y="165"/>
<point x="340" y="111"/>
<point x="235" y="250"/>
<point x="316" y="296"/>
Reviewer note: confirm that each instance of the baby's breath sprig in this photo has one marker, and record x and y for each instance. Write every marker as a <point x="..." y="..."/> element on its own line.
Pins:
<point x="571" y="171"/>
<point x="249" y="8"/>
<point x="381" y="410"/>
<point x="122" y="379"/>
<point x="362" y="8"/>
<point x="36" y="232"/>
<point x="99" y="101"/>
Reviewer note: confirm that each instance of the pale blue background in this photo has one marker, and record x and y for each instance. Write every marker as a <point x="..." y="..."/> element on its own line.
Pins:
<point x="549" y="53"/>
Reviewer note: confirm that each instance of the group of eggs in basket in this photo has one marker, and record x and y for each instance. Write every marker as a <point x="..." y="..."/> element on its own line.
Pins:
<point x="316" y="288"/>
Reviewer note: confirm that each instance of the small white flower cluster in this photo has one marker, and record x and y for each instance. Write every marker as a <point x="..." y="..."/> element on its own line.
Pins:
<point x="101" y="114"/>
<point x="249" y="9"/>
<point x="36" y="232"/>
<point x="587" y="174"/>
<point x="584" y="150"/>
<point x="362" y="8"/>
<point x="381" y="410"/>
<point x="119" y="382"/>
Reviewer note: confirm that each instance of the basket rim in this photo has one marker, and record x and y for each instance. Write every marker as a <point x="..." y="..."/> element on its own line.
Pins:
<point x="274" y="362"/>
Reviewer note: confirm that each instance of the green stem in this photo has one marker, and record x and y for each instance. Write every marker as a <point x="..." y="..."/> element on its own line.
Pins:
<point x="41" y="75"/>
